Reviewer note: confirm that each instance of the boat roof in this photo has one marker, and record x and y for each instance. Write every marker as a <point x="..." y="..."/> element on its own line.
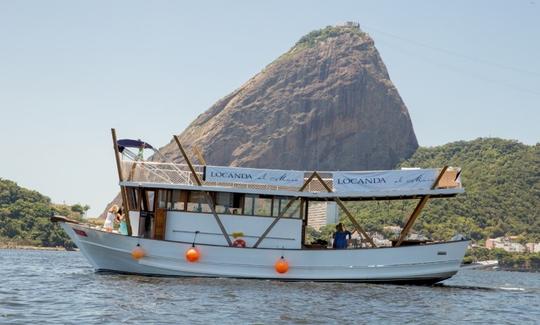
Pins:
<point x="407" y="183"/>
<point x="319" y="195"/>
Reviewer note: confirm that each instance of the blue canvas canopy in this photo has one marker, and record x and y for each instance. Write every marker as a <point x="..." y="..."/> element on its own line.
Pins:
<point x="129" y="143"/>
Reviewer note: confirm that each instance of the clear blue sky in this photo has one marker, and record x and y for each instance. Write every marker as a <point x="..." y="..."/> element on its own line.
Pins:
<point x="71" y="70"/>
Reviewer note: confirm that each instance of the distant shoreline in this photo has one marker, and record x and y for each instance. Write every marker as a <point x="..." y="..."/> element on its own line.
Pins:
<point x="35" y="248"/>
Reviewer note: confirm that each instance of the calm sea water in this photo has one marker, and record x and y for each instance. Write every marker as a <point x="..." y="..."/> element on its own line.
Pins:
<point x="60" y="288"/>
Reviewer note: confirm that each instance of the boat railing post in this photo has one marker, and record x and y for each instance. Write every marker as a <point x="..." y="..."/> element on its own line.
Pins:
<point x="120" y="178"/>
<point x="206" y="194"/>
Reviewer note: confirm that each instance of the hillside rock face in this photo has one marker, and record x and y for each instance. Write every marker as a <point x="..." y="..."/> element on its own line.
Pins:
<point x="326" y="104"/>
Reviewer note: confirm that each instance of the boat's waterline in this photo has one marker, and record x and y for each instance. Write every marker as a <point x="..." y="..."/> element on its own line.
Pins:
<point x="422" y="263"/>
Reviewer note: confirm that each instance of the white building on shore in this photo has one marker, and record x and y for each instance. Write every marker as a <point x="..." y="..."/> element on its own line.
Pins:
<point x="322" y="214"/>
<point x="510" y="245"/>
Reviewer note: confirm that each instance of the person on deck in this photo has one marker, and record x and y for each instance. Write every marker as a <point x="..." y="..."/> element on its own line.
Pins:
<point x="122" y="229"/>
<point x="340" y="237"/>
<point x="111" y="216"/>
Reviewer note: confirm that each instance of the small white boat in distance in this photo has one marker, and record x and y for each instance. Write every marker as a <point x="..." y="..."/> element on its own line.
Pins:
<point x="214" y="221"/>
<point x="482" y="265"/>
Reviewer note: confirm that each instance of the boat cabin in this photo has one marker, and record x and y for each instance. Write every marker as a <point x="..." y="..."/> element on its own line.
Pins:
<point x="265" y="208"/>
<point x="176" y="214"/>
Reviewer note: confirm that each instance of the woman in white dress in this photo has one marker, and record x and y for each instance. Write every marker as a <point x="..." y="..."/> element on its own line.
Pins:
<point x="111" y="215"/>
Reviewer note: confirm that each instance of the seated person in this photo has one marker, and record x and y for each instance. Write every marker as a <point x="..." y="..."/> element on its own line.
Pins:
<point x="340" y="237"/>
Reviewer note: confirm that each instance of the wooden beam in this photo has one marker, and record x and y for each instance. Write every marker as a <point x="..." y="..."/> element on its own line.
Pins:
<point x="122" y="188"/>
<point x="206" y="194"/>
<point x="443" y="170"/>
<point x="198" y="153"/>
<point x="410" y="222"/>
<point x="347" y="213"/>
<point x="303" y="206"/>
<point x="267" y="231"/>
<point x="186" y="158"/>
<point x="354" y="222"/>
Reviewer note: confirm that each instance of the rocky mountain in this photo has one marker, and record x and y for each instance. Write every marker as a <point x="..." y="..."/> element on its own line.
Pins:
<point x="326" y="104"/>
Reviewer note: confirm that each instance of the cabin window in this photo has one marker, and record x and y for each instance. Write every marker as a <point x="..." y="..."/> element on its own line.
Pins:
<point x="163" y="199"/>
<point x="197" y="202"/>
<point x="148" y="200"/>
<point x="133" y="199"/>
<point x="228" y="203"/>
<point x="279" y="205"/>
<point x="295" y="211"/>
<point x="249" y="204"/>
<point x="178" y="200"/>
<point x="263" y="205"/>
<point x="292" y="212"/>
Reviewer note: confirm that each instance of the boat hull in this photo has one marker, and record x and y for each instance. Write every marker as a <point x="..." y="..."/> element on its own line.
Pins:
<point x="428" y="263"/>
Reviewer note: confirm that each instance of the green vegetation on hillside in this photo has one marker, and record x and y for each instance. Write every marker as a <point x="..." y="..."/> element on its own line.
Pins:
<point x="24" y="217"/>
<point x="319" y="35"/>
<point x="314" y="37"/>
<point x="502" y="185"/>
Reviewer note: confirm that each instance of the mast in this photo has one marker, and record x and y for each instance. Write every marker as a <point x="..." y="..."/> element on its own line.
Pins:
<point x="120" y="179"/>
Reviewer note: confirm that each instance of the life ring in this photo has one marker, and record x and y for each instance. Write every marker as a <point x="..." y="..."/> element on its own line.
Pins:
<point x="239" y="242"/>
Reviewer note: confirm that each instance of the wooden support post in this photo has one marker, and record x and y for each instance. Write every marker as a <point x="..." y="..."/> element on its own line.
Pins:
<point x="443" y="170"/>
<point x="304" y="216"/>
<point x="198" y="153"/>
<point x="120" y="179"/>
<point x="354" y="222"/>
<point x="410" y="222"/>
<point x="206" y="194"/>
<point x="347" y="213"/>
<point x="267" y="231"/>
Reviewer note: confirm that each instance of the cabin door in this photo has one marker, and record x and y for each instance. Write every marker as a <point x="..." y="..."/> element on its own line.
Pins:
<point x="164" y="196"/>
<point x="159" y="224"/>
<point x="148" y="208"/>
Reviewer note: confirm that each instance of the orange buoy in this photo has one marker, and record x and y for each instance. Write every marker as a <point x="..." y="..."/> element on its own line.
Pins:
<point x="137" y="253"/>
<point x="281" y="266"/>
<point x="192" y="254"/>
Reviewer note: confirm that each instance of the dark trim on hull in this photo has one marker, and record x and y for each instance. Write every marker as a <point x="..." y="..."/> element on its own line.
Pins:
<point x="427" y="281"/>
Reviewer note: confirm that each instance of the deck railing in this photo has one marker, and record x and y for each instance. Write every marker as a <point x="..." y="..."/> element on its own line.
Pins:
<point x="172" y="173"/>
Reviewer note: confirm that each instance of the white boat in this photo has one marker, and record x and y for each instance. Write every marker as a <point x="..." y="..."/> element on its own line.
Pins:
<point x="482" y="265"/>
<point x="212" y="221"/>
